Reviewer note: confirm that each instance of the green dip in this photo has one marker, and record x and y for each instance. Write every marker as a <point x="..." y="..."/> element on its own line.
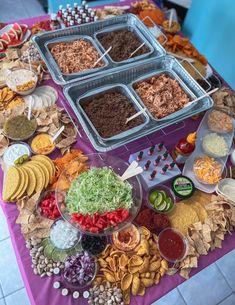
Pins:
<point x="19" y="127"/>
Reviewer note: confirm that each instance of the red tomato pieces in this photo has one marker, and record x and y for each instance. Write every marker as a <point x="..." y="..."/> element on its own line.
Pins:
<point x="98" y="222"/>
<point x="49" y="207"/>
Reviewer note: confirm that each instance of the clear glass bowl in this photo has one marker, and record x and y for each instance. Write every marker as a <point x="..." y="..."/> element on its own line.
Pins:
<point x="184" y="240"/>
<point x="72" y="286"/>
<point x="69" y="248"/>
<point x="22" y="138"/>
<point x="43" y="196"/>
<point x="118" y="166"/>
<point x="169" y="193"/>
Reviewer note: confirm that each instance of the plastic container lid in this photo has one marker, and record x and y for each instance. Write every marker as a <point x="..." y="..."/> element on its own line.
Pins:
<point x="183" y="187"/>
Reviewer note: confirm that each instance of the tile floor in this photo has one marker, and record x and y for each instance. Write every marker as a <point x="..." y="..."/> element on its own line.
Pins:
<point x="215" y="285"/>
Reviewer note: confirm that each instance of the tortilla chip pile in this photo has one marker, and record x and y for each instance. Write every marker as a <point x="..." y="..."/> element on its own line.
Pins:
<point x="6" y="96"/>
<point x="73" y="168"/>
<point x="31" y="223"/>
<point x="49" y="120"/>
<point x="181" y="46"/>
<point x="31" y="177"/>
<point x="135" y="271"/>
<point x="208" y="235"/>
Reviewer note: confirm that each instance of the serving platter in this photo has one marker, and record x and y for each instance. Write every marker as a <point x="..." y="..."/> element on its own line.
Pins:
<point x="90" y="29"/>
<point x="126" y="77"/>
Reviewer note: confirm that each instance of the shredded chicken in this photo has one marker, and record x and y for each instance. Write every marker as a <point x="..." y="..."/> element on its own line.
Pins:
<point x="162" y="95"/>
<point x="75" y="56"/>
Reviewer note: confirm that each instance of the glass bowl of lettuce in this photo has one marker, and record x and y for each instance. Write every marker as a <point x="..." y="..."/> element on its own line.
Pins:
<point x="91" y="196"/>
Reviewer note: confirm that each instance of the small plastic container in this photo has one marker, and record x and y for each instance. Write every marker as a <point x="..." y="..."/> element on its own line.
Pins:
<point x="90" y="238"/>
<point x="223" y="172"/>
<point x="124" y="248"/>
<point x="211" y="154"/>
<point x="43" y="196"/>
<point x="45" y="153"/>
<point x="12" y="152"/>
<point x="75" y="287"/>
<point x="165" y="192"/>
<point x="166" y="238"/>
<point x="69" y="248"/>
<point x="13" y="87"/>
<point x="23" y="138"/>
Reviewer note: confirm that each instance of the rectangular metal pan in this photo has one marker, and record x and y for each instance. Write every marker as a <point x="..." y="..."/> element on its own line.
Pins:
<point x="127" y="76"/>
<point x="172" y="75"/>
<point x="68" y="39"/>
<point x="90" y="29"/>
<point x="131" y="29"/>
<point x="113" y="88"/>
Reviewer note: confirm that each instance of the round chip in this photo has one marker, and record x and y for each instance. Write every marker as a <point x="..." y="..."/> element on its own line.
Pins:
<point x="182" y="217"/>
<point x="11" y="183"/>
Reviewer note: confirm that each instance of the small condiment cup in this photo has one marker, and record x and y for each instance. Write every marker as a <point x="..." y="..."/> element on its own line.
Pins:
<point x="223" y="172"/>
<point x="41" y="152"/>
<point x="43" y="196"/>
<point x="75" y="244"/>
<point x="26" y="137"/>
<point x="24" y="92"/>
<point x="130" y="249"/>
<point x="184" y="240"/>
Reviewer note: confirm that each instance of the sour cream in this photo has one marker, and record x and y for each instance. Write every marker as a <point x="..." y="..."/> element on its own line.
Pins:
<point x="15" y="151"/>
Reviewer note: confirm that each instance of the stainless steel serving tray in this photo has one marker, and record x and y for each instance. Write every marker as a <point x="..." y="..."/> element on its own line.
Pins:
<point x="127" y="76"/>
<point x="90" y="29"/>
<point x="68" y="39"/>
<point x="131" y="29"/>
<point x="113" y="88"/>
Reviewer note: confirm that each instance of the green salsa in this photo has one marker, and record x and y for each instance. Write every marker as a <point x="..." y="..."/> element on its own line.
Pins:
<point x="19" y="127"/>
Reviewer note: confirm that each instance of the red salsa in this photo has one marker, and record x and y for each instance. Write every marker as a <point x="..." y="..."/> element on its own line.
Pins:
<point x="171" y="245"/>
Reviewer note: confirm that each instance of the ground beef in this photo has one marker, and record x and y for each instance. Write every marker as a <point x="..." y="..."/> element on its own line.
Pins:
<point x="109" y="112"/>
<point x="162" y="95"/>
<point x="123" y="43"/>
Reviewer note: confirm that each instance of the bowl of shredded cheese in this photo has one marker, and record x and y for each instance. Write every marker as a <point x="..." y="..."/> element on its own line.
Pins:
<point x="207" y="170"/>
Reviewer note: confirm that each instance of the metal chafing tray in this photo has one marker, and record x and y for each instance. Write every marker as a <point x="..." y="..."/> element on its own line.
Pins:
<point x="120" y="88"/>
<point x="127" y="76"/>
<point x="72" y="38"/>
<point x="137" y="33"/>
<point x="90" y="29"/>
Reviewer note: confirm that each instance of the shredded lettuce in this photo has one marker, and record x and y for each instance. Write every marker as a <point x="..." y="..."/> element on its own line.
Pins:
<point x="98" y="190"/>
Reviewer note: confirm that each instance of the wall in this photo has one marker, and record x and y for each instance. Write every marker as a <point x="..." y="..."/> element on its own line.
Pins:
<point x="210" y="24"/>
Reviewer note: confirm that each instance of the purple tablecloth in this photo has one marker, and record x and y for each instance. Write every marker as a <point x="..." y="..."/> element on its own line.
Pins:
<point x="40" y="290"/>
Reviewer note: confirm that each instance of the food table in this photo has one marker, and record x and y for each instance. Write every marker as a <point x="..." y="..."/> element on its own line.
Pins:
<point x="40" y="289"/>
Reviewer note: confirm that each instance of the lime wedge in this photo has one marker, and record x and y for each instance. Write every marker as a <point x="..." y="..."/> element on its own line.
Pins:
<point x="152" y="197"/>
<point x="169" y="203"/>
<point x="163" y="194"/>
<point x="162" y="206"/>
<point x="159" y="200"/>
